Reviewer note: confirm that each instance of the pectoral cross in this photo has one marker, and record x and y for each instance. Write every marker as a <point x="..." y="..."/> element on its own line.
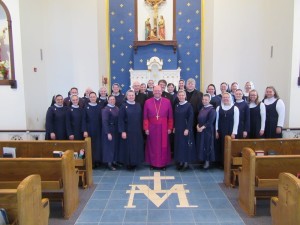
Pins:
<point x="157" y="116"/>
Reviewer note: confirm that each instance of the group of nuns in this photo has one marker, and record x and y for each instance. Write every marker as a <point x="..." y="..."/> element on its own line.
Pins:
<point x="201" y="121"/>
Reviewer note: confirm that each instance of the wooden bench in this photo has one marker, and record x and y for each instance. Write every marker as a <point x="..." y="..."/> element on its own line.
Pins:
<point x="25" y="204"/>
<point x="59" y="177"/>
<point x="233" y="149"/>
<point x="285" y="209"/>
<point x="259" y="176"/>
<point x="44" y="149"/>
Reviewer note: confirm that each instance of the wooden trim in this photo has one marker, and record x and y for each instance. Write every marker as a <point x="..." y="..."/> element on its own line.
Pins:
<point x="266" y="183"/>
<point x="137" y="44"/>
<point x="12" y="83"/>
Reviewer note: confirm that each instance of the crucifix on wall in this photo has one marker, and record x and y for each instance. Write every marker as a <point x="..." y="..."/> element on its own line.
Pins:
<point x="155" y="22"/>
<point x="155" y="4"/>
<point x="157" y="32"/>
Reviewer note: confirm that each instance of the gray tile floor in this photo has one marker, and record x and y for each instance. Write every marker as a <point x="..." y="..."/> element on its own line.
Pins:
<point x="202" y="189"/>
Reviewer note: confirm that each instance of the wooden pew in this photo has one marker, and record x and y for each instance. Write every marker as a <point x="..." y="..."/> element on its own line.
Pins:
<point x="44" y="149"/>
<point x="285" y="209"/>
<point x="259" y="176"/>
<point x="59" y="177"/>
<point x="25" y="204"/>
<point x="233" y="149"/>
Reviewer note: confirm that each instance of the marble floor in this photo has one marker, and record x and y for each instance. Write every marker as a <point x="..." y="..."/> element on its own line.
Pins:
<point x="155" y="197"/>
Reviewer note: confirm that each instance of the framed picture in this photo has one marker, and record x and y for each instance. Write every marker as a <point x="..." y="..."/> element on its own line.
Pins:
<point x="155" y="20"/>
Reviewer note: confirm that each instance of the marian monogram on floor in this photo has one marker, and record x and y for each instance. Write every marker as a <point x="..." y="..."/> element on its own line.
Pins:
<point x="153" y="194"/>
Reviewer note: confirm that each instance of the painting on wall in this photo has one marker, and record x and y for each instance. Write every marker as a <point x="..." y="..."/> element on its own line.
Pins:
<point x="154" y="20"/>
<point x="7" y="68"/>
<point x="4" y="46"/>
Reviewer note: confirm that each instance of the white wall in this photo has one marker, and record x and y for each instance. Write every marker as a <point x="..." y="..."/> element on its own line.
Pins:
<point x="35" y="86"/>
<point x="12" y="112"/>
<point x="240" y="47"/>
<point x="68" y="36"/>
<point x="294" y="110"/>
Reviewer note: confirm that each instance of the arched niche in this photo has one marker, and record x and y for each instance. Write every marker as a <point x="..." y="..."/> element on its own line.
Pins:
<point x="6" y="47"/>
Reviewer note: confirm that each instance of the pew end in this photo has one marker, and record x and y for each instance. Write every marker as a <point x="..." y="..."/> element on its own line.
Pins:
<point x="285" y="209"/>
<point x="259" y="177"/>
<point x="233" y="149"/>
<point x="59" y="177"/>
<point x="25" y="204"/>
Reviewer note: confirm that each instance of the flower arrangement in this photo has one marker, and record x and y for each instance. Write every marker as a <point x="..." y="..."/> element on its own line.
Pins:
<point x="4" y="69"/>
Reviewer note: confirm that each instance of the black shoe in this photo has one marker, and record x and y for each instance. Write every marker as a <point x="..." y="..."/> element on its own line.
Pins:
<point x="116" y="164"/>
<point x="184" y="168"/>
<point x="179" y="166"/>
<point x="151" y="167"/>
<point x="110" y="167"/>
<point x="163" y="168"/>
<point x="130" y="167"/>
<point x="133" y="167"/>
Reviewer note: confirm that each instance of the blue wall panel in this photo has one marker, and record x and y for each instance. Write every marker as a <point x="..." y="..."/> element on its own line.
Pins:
<point x="121" y="16"/>
<point x="123" y="57"/>
<point x="166" y="53"/>
<point x="188" y="32"/>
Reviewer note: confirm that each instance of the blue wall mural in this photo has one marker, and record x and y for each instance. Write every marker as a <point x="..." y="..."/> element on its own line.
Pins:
<point x="123" y="57"/>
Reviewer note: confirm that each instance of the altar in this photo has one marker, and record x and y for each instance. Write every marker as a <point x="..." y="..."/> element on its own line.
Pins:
<point x="155" y="72"/>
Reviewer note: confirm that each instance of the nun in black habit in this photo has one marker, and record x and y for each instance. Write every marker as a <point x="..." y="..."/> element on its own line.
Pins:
<point x="110" y="133"/>
<point x="92" y="126"/>
<point x="184" y="145"/>
<point x="74" y="120"/>
<point x="131" y="129"/>
<point x="56" y="120"/>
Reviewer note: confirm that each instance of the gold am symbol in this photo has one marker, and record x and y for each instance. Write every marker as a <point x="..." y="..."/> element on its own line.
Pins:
<point x="153" y="196"/>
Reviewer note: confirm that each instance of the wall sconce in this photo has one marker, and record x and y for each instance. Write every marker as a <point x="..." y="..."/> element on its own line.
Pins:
<point x="104" y="80"/>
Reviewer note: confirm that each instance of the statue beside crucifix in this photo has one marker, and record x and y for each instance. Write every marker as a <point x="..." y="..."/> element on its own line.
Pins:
<point x="152" y="35"/>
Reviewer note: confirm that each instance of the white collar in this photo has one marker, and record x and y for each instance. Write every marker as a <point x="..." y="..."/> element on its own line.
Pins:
<point x="182" y="103"/>
<point x="252" y="104"/>
<point x="58" y="106"/>
<point x="271" y="99"/>
<point x="75" y="106"/>
<point x="111" y="106"/>
<point x="226" y="106"/>
<point x="92" y="104"/>
<point x="130" y="103"/>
